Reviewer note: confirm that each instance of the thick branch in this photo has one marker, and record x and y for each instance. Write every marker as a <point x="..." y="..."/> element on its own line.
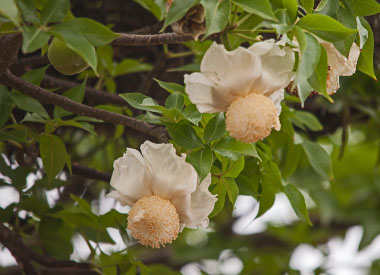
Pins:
<point x="7" y="78"/>
<point x="127" y="39"/>
<point x="9" y="46"/>
<point x="14" y="243"/>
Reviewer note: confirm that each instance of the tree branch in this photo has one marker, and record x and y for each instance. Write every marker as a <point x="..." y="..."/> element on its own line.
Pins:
<point x="7" y="78"/>
<point x="14" y="243"/>
<point x="127" y="39"/>
<point x="90" y="173"/>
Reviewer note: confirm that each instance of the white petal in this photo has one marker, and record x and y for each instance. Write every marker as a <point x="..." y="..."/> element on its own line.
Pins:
<point x="339" y="65"/>
<point x="224" y="76"/>
<point x="194" y="209"/>
<point x="277" y="97"/>
<point x="131" y="178"/>
<point x="277" y="67"/>
<point x="123" y="200"/>
<point x="171" y="175"/>
<point x="203" y="93"/>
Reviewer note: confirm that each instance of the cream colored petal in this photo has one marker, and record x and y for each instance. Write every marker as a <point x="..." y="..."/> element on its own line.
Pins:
<point x="123" y="200"/>
<point x="232" y="72"/>
<point x="171" y="175"/>
<point x="277" y="98"/>
<point x="339" y="65"/>
<point x="131" y="178"/>
<point x="194" y="209"/>
<point x="203" y="93"/>
<point x="277" y="66"/>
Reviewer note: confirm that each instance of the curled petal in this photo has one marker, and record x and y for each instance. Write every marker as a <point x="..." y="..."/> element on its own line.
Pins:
<point x="277" y="67"/>
<point x="277" y="97"/>
<point x="123" y="200"/>
<point x="131" y="178"/>
<point x="193" y="209"/>
<point x="339" y="65"/>
<point x="171" y="175"/>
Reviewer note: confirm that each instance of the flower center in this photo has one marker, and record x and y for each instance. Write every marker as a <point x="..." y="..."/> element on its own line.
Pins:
<point x="153" y="221"/>
<point x="251" y="118"/>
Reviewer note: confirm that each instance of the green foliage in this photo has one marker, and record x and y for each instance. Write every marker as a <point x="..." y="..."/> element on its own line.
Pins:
<point x="328" y="151"/>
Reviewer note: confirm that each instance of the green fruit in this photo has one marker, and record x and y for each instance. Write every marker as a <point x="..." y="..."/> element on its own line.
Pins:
<point x="64" y="59"/>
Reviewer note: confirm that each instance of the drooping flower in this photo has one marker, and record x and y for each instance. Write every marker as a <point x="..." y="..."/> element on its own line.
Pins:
<point x="248" y="84"/>
<point x="339" y="65"/>
<point x="164" y="192"/>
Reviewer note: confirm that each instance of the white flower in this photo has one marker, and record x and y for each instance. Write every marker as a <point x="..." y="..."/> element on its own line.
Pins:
<point x="339" y="65"/>
<point x="164" y="192"/>
<point x="263" y="69"/>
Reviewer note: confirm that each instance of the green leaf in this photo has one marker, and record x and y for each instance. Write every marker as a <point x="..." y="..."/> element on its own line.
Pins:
<point x="217" y="14"/>
<point x="95" y="33"/>
<point x="215" y="128"/>
<point x="82" y="125"/>
<point x="177" y="10"/>
<point x="232" y="189"/>
<point x="56" y="237"/>
<point x="33" y="39"/>
<point x="234" y="169"/>
<point x="220" y="191"/>
<point x="291" y="7"/>
<point x="298" y="202"/>
<point x="365" y="62"/>
<point x="267" y="198"/>
<point x="53" y="154"/>
<point x="9" y="9"/>
<point x="5" y="105"/>
<point x="308" y="5"/>
<point x="291" y="160"/>
<point x="318" y="79"/>
<point x="76" y="42"/>
<point x="35" y="76"/>
<point x="345" y="17"/>
<point x="192" y="114"/>
<point x="325" y="27"/>
<point x="310" y="53"/>
<point x="157" y="7"/>
<point x="184" y="135"/>
<point x="233" y="149"/>
<point x="175" y="100"/>
<point x="29" y="11"/>
<point x="29" y="104"/>
<point x="171" y="87"/>
<point x="76" y="93"/>
<point x="328" y="7"/>
<point x="201" y="160"/>
<point x="136" y="100"/>
<point x="365" y="7"/>
<point x="261" y="8"/>
<point x="318" y="158"/>
<point x="130" y="66"/>
<point x="308" y="119"/>
<point x="54" y="11"/>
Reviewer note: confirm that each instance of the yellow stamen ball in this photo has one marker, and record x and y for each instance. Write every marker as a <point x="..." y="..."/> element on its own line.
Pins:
<point x="251" y="118"/>
<point x="153" y="221"/>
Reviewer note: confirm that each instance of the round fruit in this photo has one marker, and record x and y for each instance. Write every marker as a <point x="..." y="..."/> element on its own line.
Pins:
<point x="64" y="59"/>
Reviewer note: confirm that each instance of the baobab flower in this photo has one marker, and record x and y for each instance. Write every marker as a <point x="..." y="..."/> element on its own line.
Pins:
<point x="164" y="192"/>
<point x="248" y="84"/>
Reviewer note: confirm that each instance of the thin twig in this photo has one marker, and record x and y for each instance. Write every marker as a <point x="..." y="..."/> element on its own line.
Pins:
<point x="10" y="80"/>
